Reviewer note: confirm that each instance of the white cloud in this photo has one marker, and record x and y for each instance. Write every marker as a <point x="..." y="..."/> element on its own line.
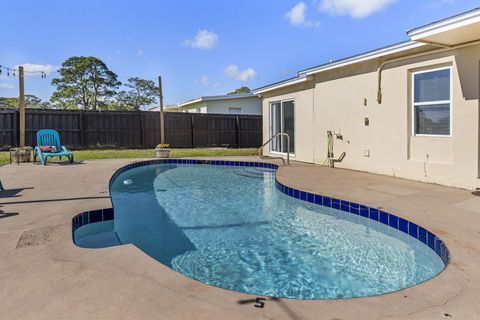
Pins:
<point x="438" y="4"/>
<point x="206" y="81"/>
<point x="140" y="52"/>
<point x="37" y="69"/>
<point x="246" y="75"/>
<point x="203" y="40"/>
<point x="297" y="16"/>
<point x="353" y="8"/>
<point x="234" y="71"/>
<point x="4" y="85"/>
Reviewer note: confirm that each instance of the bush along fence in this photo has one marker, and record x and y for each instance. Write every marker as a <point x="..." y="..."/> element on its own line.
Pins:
<point x="132" y="129"/>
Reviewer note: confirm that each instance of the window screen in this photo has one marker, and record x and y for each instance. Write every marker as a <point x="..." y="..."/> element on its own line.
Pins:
<point x="431" y="102"/>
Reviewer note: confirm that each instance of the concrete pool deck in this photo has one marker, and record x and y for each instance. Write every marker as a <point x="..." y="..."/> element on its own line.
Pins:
<point x="43" y="275"/>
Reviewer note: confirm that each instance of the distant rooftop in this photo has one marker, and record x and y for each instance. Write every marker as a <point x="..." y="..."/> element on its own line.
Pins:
<point x="219" y="97"/>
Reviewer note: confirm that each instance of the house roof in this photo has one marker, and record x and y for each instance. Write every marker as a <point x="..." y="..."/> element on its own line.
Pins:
<point x="377" y="53"/>
<point x="280" y="84"/>
<point x="168" y="106"/>
<point x="302" y="75"/>
<point x="219" y="97"/>
<point x="461" y="28"/>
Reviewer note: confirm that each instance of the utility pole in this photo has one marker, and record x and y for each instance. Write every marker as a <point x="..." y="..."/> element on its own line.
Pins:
<point x="21" y="86"/>
<point x="162" y="116"/>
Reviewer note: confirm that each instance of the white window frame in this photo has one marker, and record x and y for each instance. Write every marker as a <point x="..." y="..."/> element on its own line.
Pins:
<point x="239" y="109"/>
<point x="414" y="104"/>
<point x="270" y="111"/>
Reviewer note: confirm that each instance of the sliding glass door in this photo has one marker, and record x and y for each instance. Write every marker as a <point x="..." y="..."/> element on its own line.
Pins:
<point x="282" y="120"/>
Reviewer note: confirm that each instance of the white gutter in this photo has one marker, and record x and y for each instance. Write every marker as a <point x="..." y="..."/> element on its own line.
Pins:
<point x="367" y="56"/>
<point x="183" y="104"/>
<point x="445" y="25"/>
<point x="215" y="98"/>
<point x="306" y="74"/>
<point x="280" y="85"/>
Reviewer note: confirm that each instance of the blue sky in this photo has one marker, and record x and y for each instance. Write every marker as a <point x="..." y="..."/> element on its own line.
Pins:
<point x="203" y="47"/>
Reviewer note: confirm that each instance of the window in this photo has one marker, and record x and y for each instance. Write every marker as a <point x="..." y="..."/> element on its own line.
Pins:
<point x="282" y="119"/>
<point x="235" y="110"/>
<point x="432" y="107"/>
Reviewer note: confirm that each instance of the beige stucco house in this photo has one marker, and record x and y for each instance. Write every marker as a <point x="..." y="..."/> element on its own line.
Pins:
<point x="245" y="103"/>
<point x="409" y="110"/>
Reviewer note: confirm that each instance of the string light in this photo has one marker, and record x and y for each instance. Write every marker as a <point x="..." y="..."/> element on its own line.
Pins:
<point x="15" y="71"/>
<point x="43" y="74"/>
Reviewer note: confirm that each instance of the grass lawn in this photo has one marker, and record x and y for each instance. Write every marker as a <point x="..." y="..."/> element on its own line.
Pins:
<point x="4" y="158"/>
<point x="149" y="153"/>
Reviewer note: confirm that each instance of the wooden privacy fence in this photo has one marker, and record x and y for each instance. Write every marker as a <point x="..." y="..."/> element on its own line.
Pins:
<point x="133" y="129"/>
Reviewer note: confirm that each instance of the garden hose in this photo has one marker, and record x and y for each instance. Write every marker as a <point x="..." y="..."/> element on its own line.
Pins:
<point x="329" y="149"/>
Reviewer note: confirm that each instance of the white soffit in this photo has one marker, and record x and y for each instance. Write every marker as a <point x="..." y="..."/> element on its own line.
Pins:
<point x="452" y="31"/>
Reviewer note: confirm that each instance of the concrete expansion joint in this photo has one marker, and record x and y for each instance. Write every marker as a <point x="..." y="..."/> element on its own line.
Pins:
<point x="424" y="308"/>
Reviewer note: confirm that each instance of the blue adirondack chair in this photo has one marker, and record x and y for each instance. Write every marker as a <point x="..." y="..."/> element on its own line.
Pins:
<point x="48" y="137"/>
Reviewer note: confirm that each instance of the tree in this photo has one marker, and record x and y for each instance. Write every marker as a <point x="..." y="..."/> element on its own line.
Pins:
<point x="84" y="82"/>
<point x="241" y="90"/>
<point x="31" y="102"/>
<point x="34" y="102"/>
<point x="8" y="102"/>
<point x="140" y="93"/>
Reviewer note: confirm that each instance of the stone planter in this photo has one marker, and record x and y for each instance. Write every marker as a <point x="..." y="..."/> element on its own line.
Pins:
<point x="18" y="155"/>
<point x="162" y="153"/>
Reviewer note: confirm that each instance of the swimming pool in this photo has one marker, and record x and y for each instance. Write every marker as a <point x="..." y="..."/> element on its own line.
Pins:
<point x="232" y="225"/>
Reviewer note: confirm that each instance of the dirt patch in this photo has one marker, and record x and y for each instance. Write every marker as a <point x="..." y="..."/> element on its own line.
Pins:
<point x="37" y="237"/>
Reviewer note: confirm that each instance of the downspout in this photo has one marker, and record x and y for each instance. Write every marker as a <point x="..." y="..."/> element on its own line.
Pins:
<point x="313" y="123"/>
<point x="421" y="54"/>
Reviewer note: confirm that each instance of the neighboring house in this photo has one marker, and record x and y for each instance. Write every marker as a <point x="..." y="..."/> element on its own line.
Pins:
<point x="167" y="108"/>
<point x="226" y="104"/>
<point x="409" y="110"/>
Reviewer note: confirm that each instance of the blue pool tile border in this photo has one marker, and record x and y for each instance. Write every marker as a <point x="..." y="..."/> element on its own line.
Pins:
<point x="91" y="216"/>
<point x="389" y="219"/>
<point x="193" y="161"/>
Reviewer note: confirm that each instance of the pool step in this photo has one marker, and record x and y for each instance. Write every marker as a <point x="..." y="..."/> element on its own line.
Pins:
<point x="251" y="173"/>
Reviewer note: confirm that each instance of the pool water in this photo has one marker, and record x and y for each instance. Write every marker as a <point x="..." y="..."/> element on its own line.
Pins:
<point x="230" y="227"/>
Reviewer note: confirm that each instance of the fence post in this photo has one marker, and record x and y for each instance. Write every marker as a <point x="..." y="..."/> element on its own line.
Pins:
<point x="81" y="137"/>
<point x="15" y="129"/>
<point x="237" y="127"/>
<point x="142" y="129"/>
<point x="21" y="105"/>
<point x="192" y="124"/>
